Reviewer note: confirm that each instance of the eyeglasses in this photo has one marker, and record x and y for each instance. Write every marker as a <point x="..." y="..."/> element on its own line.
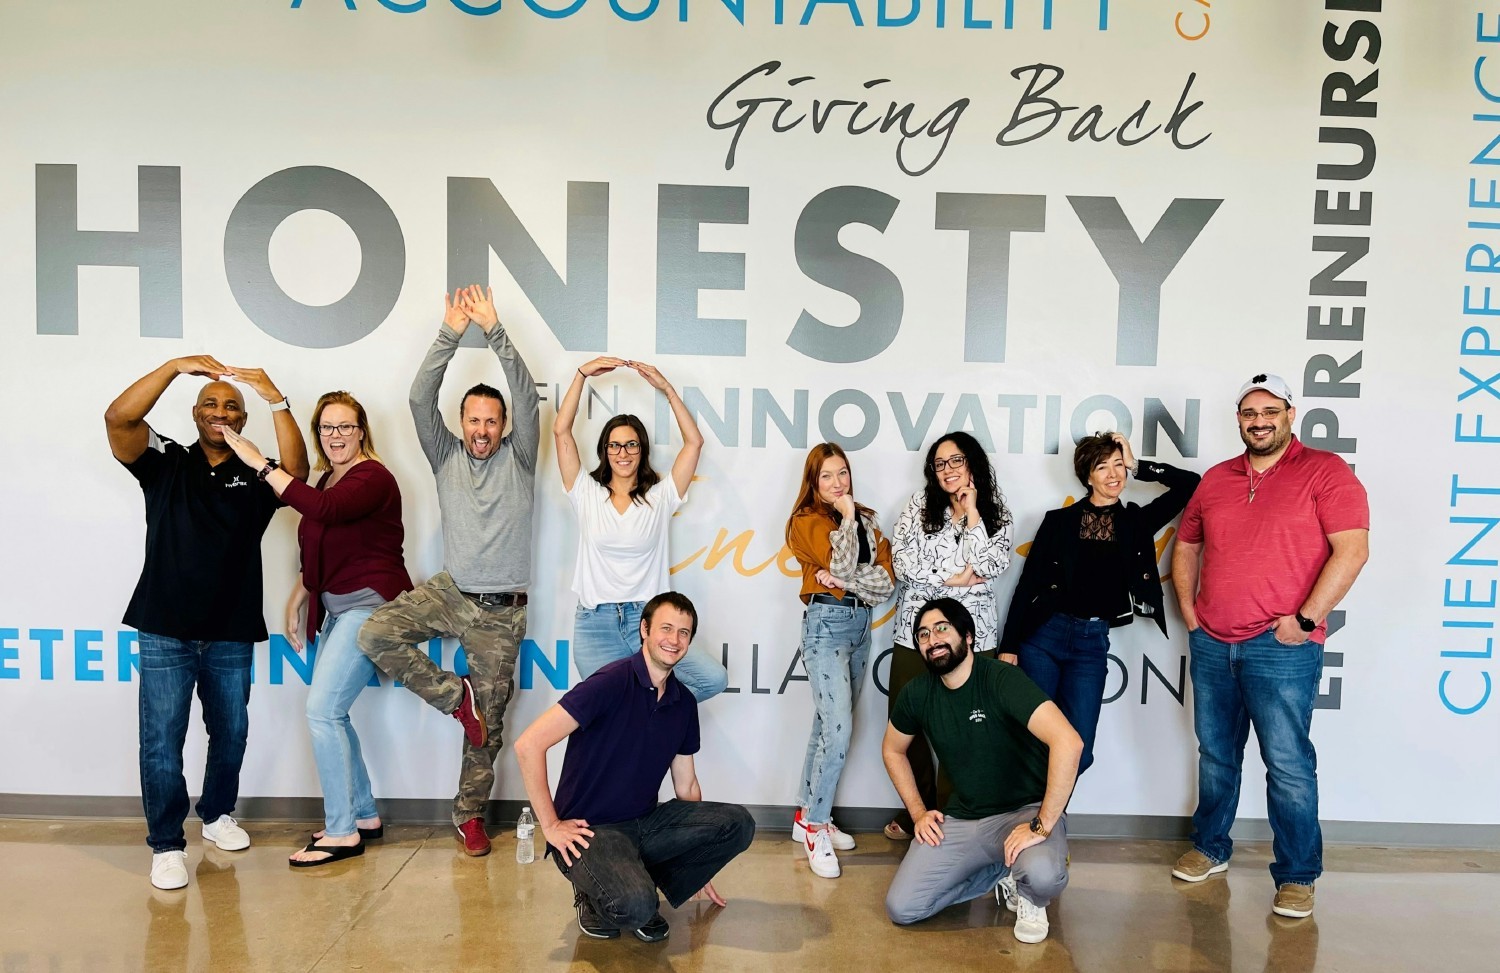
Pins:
<point x="924" y="635"/>
<point x="951" y="463"/>
<point x="631" y="447"/>
<point x="343" y="429"/>
<point x="1250" y="415"/>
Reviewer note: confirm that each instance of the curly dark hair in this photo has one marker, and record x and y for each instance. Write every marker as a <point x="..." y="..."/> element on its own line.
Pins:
<point x="991" y="502"/>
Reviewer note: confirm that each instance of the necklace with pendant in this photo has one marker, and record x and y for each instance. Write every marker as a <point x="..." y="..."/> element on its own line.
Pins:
<point x="1254" y="483"/>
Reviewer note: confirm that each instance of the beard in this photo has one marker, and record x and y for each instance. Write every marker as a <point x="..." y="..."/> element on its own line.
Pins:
<point x="952" y="660"/>
<point x="1279" y="438"/>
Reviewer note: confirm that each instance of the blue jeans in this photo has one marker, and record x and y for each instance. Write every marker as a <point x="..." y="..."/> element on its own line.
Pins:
<point x="612" y="631"/>
<point x="1271" y="686"/>
<point x="1066" y="658"/>
<point x="835" y="650"/>
<point x="340" y="672"/>
<point x="678" y="848"/>
<point x="170" y="669"/>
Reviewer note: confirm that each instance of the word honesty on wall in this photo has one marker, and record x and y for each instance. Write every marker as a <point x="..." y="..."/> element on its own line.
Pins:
<point x="480" y="220"/>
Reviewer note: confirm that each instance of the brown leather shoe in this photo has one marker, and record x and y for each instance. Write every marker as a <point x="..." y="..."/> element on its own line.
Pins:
<point x="1195" y="866"/>
<point x="476" y="842"/>
<point x="1293" y="901"/>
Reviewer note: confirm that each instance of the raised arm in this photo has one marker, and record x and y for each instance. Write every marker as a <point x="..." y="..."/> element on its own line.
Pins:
<point x="289" y="442"/>
<point x="1064" y="748"/>
<point x="125" y="419"/>
<point x="686" y="463"/>
<point x="552" y="727"/>
<point x="568" y="462"/>
<point x="1180" y="485"/>
<point x="436" y="439"/>
<point x="525" y="416"/>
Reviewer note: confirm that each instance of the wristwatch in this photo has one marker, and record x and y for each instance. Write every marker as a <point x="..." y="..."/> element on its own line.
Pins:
<point x="1036" y="827"/>
<point x="284" y="405"/>
<point x="265" y="471"/>
<point x="1307" y="624"/>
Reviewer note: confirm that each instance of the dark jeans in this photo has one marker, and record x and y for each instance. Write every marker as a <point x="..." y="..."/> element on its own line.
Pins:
<point x="170" y="669"/>
<point x="678" y="848"/>
<point x="1066" y="658"/>
<point x="932" y="784"/>
<point x="1271" y="686"/>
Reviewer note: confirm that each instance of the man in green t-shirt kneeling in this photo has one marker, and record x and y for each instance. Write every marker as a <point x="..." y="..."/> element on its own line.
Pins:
<point x="1012" y="758"/>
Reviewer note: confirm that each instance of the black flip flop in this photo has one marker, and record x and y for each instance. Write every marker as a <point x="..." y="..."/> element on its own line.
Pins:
<point x="336" y="853"/>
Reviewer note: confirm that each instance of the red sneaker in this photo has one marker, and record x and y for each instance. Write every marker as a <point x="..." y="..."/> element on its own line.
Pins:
<point x="473" y="721"/>
<point x="476" y="842"/>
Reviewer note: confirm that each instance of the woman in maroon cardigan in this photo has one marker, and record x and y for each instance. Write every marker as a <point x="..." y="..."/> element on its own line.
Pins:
<point x="350" y="537"/>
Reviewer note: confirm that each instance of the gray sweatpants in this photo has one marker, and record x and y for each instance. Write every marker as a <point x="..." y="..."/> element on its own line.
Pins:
<point x="970" y="860"/>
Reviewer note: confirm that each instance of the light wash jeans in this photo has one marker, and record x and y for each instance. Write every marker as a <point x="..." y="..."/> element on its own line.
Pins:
<point x="835" y="650"/>
<point x="612" y="631"/>
<point x="340" y="672"/>
<point x="1265" y="684"/>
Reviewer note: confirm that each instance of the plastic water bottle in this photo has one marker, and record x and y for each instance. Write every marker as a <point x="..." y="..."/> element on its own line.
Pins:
<point x="525" y="846"/>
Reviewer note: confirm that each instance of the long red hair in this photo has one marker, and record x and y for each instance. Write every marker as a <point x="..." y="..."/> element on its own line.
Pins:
<point x="808" y="500"/>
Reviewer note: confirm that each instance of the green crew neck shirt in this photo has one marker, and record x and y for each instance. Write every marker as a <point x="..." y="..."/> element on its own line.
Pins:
<point x="980" y="735"/>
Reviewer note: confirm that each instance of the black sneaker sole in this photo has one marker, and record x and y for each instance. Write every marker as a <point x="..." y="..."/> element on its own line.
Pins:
<point x="597" y="933"/>
<point x="646" y="937"/>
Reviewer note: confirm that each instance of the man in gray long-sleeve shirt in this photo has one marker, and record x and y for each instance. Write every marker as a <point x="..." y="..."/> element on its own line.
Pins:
<point x="485" y="487"/>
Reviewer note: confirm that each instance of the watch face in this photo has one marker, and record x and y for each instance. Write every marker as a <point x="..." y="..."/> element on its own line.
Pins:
<point x="1307" y="623"/>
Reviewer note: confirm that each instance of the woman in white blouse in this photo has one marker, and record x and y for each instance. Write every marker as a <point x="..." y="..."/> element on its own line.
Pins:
<point x="624" y="509"/>
<point x="951" y="541"/>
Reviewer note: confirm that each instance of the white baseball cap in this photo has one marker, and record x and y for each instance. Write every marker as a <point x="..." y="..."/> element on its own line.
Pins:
<point x="1274" y="384"/>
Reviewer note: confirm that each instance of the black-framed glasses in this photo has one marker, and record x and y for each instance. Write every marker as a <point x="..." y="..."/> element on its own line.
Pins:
<point x="631" y="447"/>
<point x="343" y="429"/>
<point x="1250" y="415"/>
<point x="951" y="463"/>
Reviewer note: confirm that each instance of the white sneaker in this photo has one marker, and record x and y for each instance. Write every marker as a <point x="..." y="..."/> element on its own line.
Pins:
<point x="169" y="869"/>
<point x="1031" y="920"/>
<point x="1005" y="892"/>
<point x="841" y="841"/>
<point x="820" y="856"/>
<point x="226" y="833"/>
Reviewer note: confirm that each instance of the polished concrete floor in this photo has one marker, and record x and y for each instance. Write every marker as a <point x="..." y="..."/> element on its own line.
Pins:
<point x="74" y="896"/>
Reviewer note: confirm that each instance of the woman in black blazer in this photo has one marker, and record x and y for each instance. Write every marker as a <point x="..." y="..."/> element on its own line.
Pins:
<point x="1092" y="567"/>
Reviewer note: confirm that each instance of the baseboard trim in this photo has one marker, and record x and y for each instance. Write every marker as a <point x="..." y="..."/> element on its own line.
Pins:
<point x="773" y="817"/>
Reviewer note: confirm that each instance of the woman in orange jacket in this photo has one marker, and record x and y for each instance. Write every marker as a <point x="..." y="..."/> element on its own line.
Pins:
<point x="846" y="571"/>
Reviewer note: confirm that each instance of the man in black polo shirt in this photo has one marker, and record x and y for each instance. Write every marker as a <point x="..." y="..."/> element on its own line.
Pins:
<point x="630" y="722"/>
<point x="1013" y="760"/>
<point x="197" y="605"/>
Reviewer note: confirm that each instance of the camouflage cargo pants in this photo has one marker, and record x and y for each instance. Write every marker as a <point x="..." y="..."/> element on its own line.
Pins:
<point x="491" y="639"/>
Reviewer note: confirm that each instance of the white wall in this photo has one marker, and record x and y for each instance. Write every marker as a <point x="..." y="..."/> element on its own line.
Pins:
<point x="229" y="94"/>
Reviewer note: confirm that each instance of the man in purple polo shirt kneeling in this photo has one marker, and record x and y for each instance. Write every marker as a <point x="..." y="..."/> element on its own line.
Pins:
<point x="630" y="723"/>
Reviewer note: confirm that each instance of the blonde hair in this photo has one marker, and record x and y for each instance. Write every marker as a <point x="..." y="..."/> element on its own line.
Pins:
<point x="367" y="446"/>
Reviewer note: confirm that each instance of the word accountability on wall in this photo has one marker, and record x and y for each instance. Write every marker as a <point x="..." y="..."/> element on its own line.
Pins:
<point x="937" y="14"/>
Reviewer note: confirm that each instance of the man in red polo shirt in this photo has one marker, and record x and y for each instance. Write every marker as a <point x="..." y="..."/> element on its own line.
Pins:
<point x="1270" y="543"/>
